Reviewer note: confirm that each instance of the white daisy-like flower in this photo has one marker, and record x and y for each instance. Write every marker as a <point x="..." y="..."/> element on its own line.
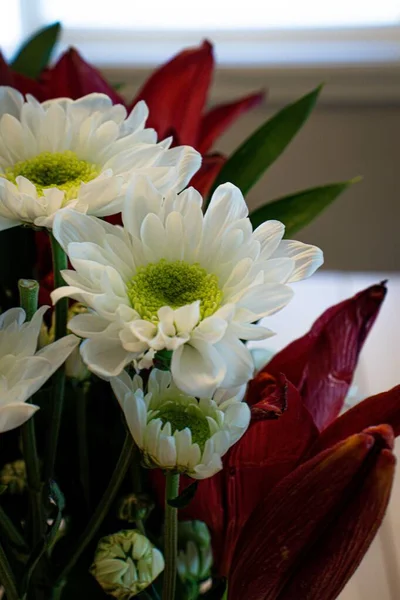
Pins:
<point x="23" y="370"/>
<point x="78" y="153"/>
<point x="178" y="432"/>
<point x="175" y="279"/>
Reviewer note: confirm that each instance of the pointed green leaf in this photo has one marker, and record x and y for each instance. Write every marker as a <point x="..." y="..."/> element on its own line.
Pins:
<point x="185" y="497"/>
<point x="299" y="209"/>
<point x="34" y="55"/>
<point x="263" y="147"/>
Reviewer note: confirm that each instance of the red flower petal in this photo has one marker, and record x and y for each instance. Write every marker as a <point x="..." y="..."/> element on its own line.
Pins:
<point x="215" y="121"/>
<point x="23" y="84"/>
<point x="382" y="408"/>
<point x="290" y="526"/>
<point x="176" y="93"/>
<point x="73" y="77"/>
<point x="324" y="572"/>
<point x="267" y="452"/>
<point x="203" y="180"/>
<point x="321" y="363"/>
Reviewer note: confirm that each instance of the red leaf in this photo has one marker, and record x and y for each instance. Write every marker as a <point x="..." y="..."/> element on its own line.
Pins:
<point x="216" y="120"/>
<point x="299" y="517"/>
<point x="176" y="93"/>
<point x="382" y="408"/>
<point x="203" y="180"/>
<point x="337" y="554"/>
<point x="321" y="364"/>
<point x="73" y="77"/>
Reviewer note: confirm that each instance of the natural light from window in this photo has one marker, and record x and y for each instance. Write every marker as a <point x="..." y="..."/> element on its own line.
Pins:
<point x="220" y="14"/>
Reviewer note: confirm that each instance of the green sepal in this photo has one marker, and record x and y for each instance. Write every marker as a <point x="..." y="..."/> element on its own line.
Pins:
<point x="185" y="497"/>
<point x="297" y="210"/>
<point x="250" y="161"/>
<point x="34" y="55"/>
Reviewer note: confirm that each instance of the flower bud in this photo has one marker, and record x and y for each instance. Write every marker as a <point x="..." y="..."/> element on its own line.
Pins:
<point x="13" y="476"/>
<point x="195" y="554"/>
<point x="125" y="563"/>
<point x="135" y="506"/>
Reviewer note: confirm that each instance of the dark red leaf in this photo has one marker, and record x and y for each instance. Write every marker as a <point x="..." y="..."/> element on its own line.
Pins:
<point x="176" y="93"/>
<point x="217" y="120"/>
<point x="288" y="527"/>
<point x="321" y="364"/>
<point x="203" y="180"/>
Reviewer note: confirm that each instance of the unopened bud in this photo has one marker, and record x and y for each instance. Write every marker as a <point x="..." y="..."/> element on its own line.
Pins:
<point x="13" y="476"/>
<point x="125" y="563"/>
<point x="134" y="507"/>
<point x="195" y="554"/>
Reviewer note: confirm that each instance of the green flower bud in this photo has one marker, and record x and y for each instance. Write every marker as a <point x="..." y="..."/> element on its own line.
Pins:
<point x="195" y="554"/>
<point x="125" y="563"/>
<point x="133" y="507"/>
<point x="13" y="476"/>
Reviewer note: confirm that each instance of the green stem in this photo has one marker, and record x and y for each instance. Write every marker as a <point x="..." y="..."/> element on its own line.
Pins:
<point x="28" y="296"/>
<point x="171" y="536"/>
<point x="28" y="293"/>
<point x="35" y="485"/>
<point x="9" y="530"/>
<point x="81" y="425"/>
<point x="103" y="507"/>
<point x="60" y="262"/>
<point x="7" y="577"/>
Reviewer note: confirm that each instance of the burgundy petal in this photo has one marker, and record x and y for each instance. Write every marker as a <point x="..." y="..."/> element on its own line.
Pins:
<point x="216" y="120"/>
<point x="291" y="525"/>
<point x="321" y="364"/>
<point x="382" y="408"/>
<point x="176" y="93"/>
<point x="203" y="180"/>
<point x="72" y="77"/>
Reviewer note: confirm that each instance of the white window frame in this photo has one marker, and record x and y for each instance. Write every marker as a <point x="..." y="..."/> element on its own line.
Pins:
<point x="274" y="48"/>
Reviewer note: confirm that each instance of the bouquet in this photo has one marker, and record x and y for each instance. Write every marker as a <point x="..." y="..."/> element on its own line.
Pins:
<point x="142" y="453"/>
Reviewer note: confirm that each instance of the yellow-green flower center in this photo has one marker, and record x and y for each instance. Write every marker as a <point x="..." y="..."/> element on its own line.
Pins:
<point x="63" y="170"/>
<point x="190" y="416"/>
<point x="173" y="284"/>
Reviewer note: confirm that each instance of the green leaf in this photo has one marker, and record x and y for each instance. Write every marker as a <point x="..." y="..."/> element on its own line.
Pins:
<point x="185" y="497"/>
<point x="263" y="147"/>
<point x="34" y="55"/>
<point x="299" y="209"/>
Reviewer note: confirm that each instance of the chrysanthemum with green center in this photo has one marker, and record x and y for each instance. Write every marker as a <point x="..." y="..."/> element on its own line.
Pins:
<point x="62" y="170"/>
<point x="175" y="284"/>
<point x="178" y="432"/>
<point x="78" y="153"/>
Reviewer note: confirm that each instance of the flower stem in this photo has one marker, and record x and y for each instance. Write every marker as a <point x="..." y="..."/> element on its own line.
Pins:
<point x="60" y="262"/>
<point x="7" y="577"/>
<point x="81" y="425"/>
<point x="103" y="507"/>
<point x="9" y="530"/>
<point x="28" y="294"/>
<point x="171" y="536"/>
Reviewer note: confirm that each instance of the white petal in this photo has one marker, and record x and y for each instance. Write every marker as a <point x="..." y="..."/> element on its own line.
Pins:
<point x="14" y="415"/>
<point x="197" y="368"/>
<point x="307" y="258"/>
<point x="105" y="357"/>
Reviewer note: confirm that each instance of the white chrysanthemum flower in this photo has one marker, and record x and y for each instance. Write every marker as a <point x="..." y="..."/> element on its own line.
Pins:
<point x="178" y="432"/>
<point x="23" y="370"/>
<point x="78" y="153"/>
<point x="179" y="280"/>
